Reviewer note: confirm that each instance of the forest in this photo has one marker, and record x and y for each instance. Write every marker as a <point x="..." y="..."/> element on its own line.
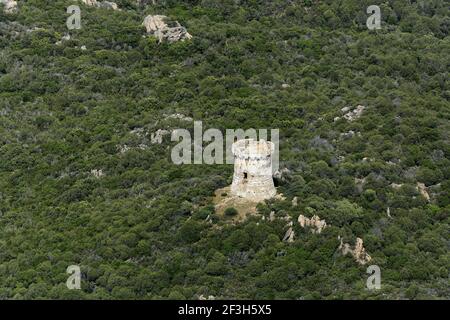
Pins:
<point x="82" y="183"/>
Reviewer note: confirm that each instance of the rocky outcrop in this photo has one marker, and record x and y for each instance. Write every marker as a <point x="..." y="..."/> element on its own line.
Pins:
<point x="420" y="187"/>
<point x="91" y="3"/>
<point x="63" y="38"/>
<point x="423" y="190"/>
<point x="98" y="173"/>
<point x="295" y="202"/>
<point x="388" y="212"/>
<point x="289" y="235"/>
<point x="353" y="114"/>
<point x="123" y="148"/>
<point x="358" y="252"/>
<point x="103" y="4"/>
<point x="282" y="175"/>
<point x="155" y="23"/>
<point x="108" y="5"/>
<point x="179" y="116"/>
<point x="350" y="134"/>
<point x="314" y="223"/>
<point x="157" y="137"/>
<point x="396" y="186"/>
<point x="10" y="6"/>
<point x="158" y="26"/>
<point x="272" y="216"/>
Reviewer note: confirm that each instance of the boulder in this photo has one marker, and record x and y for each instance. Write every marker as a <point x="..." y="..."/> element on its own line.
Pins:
<point x="282" y="175"/>
<point x="10" y="6"/>
<point x="289" y="235"/>
<point x="423" y="190"/>
<point x="272" y="216"/>
<point x="90" y="3"/>
<point x="179" y="116"/>
<point x="154" y="23"/>
<point x="358" y="252"/>
<point x="354" y="114"/>
<point x="396" y="186"/>
<point x="314" y="223"/>
<point x="104" y="4"/>
<point x="98" y="173"/>
<point x="158" y="26"/>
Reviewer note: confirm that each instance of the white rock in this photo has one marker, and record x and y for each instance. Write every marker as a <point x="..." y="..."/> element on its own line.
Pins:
<point x="91" y="3"/>
<point x="123" y="148"/>
<point x="139" y="132"/>
<point x="10" y="6"/>
<point x="354" y="114"/>
<point x="272" y="216"/>
<point x="388" y="212"/>
<point x="289" y="235"/>
<point x="423" y="190"/>
<point x="108" y="5"/>
<point x="157" y="137"/>
<point x="156" y="25"/>
<point x="396" y="186"/>
<point x="315" y="223"/>
<point x="358" y="253"/>
<point x="348" y="135"/>
<point x="142" y="146"/>
<point x="98" y="173"/>
<point x="104" y="4"/>
<point x="179" y="116"/>
<point x="64" y="38"/>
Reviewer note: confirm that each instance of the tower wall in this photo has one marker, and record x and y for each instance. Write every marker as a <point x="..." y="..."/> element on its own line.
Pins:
<point x="252" y="176"/>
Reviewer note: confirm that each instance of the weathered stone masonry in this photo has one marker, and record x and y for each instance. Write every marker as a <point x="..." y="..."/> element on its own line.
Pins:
<point x="252" y="177"/>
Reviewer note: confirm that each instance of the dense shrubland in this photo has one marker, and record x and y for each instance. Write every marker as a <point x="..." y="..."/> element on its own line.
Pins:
<point x="139" y="231"/>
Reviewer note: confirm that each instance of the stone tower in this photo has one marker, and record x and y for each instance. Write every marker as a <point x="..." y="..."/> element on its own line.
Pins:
<point x="252" y="177"/>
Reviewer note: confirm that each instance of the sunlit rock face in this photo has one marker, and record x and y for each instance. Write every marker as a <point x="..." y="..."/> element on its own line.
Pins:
<point x="104" y="4"/>
<point x="10" y="6"/>
<point x="358" y="252"/>
<point x="158" y="26"/>
<point x="154" y="23"/>
<point x="314" y="223"/>
<point x="252" y="177"/>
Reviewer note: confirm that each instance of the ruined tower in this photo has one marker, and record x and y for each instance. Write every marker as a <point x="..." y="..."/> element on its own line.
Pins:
<point x="252" y="177"/>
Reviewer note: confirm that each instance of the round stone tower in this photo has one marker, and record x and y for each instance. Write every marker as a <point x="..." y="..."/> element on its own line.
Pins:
<point x="252" y="177"/>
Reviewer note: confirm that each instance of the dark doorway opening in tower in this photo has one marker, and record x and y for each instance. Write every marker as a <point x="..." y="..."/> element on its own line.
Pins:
<point x="245" y="175"/>
<point x="276" y="182"/>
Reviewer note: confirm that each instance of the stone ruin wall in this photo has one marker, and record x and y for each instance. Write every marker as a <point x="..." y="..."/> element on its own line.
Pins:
<point x="252" y="178"/>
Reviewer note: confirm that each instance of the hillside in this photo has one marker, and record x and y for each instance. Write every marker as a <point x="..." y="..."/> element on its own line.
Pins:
<point x="82" y="182"/>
